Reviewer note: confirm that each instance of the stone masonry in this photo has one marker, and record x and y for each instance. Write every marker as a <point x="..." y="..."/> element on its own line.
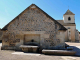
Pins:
<point x="31" y="20"/>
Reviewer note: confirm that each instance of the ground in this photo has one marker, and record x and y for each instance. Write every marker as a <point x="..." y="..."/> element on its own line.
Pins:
<point x="16" y="55"/>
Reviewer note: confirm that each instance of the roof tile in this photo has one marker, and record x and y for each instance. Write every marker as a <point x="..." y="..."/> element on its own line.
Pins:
<point x="68" y="12"/>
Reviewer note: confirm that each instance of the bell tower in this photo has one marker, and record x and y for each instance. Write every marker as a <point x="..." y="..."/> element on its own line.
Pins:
<point x="69" y="17"/>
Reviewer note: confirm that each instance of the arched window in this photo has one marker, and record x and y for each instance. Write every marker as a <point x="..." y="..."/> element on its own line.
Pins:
<point x="69" y="18"/>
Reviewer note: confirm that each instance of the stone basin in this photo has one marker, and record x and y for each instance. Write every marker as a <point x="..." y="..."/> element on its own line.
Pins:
<point x="29" y="48"/>
<point x="58" y="52"/>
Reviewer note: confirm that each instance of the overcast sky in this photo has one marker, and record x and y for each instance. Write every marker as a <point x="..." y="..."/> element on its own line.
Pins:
<point x="9" y="9"/>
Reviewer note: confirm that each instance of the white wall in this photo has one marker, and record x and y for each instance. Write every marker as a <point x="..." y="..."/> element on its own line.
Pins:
<point x="65" y="18"/>
<point x="77" y="36"/>
<point x="72" y="33"/>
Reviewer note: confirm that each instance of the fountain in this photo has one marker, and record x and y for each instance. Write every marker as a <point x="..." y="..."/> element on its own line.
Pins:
<point x="30" y="46"/>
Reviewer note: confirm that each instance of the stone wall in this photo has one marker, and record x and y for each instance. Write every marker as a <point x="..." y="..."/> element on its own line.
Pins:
<point x="1" y="35"/>
<point x="32" y="20"/>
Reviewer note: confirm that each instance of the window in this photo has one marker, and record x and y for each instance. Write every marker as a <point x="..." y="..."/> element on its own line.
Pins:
<point x="69" y="18"/>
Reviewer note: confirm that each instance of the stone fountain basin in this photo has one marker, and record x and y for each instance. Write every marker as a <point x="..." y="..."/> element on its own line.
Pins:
<point x="58" y="52"/>
<point x="29" y="48"/>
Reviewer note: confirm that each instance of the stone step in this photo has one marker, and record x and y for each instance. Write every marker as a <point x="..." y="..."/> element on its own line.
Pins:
<point x="28" y="48"/>
<point x="58" y="52"/>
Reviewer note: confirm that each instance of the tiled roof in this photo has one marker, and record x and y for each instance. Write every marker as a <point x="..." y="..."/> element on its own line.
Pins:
<point x="68" y="12"/>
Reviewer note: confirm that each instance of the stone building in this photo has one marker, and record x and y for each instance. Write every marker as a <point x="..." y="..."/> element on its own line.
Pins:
<point x="33" y="24"/>
<point x="69" y="23"/>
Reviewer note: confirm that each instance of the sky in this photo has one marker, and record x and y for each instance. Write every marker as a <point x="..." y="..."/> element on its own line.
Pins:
<point x="9" y="9"/>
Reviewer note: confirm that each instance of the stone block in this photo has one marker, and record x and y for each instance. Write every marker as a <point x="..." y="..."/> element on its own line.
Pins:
<point x="58" y="52"/>
<point x="27" y="48"/>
